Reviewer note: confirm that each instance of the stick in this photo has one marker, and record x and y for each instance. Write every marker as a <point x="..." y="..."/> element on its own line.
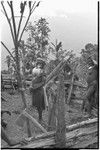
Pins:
<point x="79" y="124"/>
<point x="34" y="120"/>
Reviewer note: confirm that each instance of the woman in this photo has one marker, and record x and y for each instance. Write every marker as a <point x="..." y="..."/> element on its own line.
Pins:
<point x="37" y="90"/>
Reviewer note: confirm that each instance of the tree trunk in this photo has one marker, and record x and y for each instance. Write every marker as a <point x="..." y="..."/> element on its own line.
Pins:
<point x="20" y="85"/>
<point x="19" y="80"/>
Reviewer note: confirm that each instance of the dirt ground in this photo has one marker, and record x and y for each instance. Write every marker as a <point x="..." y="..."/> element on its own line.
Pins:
<point x="14" y="105"/>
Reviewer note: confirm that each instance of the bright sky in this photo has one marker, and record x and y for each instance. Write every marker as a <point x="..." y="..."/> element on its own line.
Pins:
<point x="53" y="8"/>
<point x="50" y="7"/>
<point x="61" y="7"/>
<point x="86" y="27"/>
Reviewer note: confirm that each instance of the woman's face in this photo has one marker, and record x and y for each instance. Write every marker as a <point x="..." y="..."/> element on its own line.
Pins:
<point x="39" y="66"/>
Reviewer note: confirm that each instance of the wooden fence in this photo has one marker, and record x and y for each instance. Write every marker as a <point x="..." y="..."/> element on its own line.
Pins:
<point x="78" y="135"/>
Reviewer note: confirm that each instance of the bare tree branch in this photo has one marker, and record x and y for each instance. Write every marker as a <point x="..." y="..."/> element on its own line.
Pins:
<point x="9" y="4"/>
<point x="25" y="25"/>
<point x="19" y="24"/>
<point x="30" y="12"/>
<point x="20" y="21"/>
<point x="13" y="19"/>
<point x="33" y="7"/>
<point x="8" y="22"/>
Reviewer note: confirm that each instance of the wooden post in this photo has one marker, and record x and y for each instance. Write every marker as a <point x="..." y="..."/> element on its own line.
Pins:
<point x="71" y="86"/>
<point x="61" y="126"/>
<point x="70" y="90"/>
<point x="51" y="114"/>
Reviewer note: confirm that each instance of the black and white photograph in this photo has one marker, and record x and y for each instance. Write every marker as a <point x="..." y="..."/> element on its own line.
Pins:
<point x="49" y="74"/>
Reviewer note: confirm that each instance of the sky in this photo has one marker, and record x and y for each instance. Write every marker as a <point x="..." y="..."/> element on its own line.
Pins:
<point x="73" y="22"/>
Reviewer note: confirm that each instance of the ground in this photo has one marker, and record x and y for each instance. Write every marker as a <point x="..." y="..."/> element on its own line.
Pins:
<point x="14" y="104"/>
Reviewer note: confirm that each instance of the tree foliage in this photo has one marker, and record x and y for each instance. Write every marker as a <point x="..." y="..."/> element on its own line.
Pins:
<point x="38" y="36"/>
<point x="58" y="53"/>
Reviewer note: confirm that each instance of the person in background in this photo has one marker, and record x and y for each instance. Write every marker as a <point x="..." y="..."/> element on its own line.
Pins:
<point x="92" y="89"/>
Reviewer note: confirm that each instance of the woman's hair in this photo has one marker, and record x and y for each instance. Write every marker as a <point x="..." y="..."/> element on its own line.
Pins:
<point x="42" y="64"/>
